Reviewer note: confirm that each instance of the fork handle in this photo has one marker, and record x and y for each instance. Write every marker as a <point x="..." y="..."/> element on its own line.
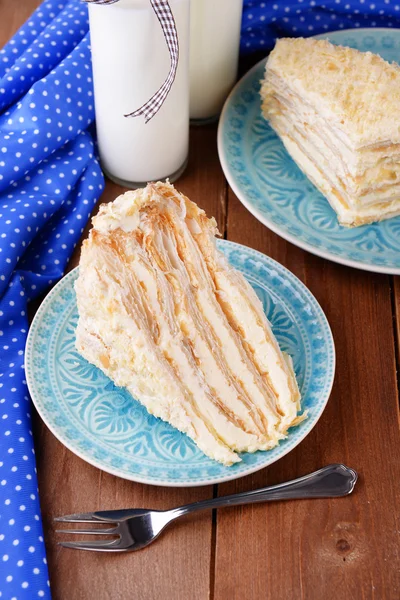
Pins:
<point x="329" y="482"/>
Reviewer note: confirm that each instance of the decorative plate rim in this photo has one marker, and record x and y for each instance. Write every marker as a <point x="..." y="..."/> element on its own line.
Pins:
<point x="59" y="434"/>
<point x="265" y="220"/>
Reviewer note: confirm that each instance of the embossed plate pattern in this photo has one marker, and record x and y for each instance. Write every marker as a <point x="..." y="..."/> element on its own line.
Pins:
<point x="106" y="427"/>
<point x="271" y="186"/>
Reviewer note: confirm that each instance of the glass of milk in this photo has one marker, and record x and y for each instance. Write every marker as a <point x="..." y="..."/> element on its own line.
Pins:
<point x="130" y="62"/>
<point x="214" y="53"/>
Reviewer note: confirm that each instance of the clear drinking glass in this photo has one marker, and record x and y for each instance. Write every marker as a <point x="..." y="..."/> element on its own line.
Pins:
<point x="214" y="54"/>
<point x="130" y="62"/>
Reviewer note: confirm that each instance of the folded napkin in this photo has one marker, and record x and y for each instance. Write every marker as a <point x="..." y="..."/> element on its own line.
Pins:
<point x="49" y="182"/>
<point x="264" y="21"/>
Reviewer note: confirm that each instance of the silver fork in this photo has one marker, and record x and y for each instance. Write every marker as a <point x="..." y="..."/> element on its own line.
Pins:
<point x="138" y="527"/>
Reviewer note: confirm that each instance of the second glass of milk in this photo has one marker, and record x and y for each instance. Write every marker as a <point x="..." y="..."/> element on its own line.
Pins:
<point x="214" y="55"/>
<point x="130" y="62"/>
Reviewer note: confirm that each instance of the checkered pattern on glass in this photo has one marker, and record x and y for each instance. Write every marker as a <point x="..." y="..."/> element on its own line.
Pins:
<point x="167" y="22"/>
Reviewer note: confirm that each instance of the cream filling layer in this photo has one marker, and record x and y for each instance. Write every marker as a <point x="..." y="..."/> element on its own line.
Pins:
<point x="167" y="402"/>
<point x="357" y="161"/>
<point x="361" y="178"/>
<point x="144" y="371"/>
<point x="211" y="377"/>
<point x="267" y="354"/>
<point x="346" y="215"/>
<point x="381" y="193"/>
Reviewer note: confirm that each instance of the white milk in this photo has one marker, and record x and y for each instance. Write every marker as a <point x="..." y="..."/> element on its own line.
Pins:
<point x="130" y="62"/>
<point x="214" y="53"/>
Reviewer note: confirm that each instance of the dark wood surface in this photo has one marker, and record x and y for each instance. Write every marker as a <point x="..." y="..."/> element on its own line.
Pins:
<point x="312" y="550"/>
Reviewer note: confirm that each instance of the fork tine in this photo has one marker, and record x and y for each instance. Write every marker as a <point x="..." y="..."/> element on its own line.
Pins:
<point x="113" y="545"/>
<point x="79" y="518"/>
<point x="112" y="530"/>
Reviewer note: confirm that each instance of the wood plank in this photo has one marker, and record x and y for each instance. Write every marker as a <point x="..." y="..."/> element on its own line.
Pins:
<point x="177" y="566"/>
<point x="67" y="484"/>
<point x="396" y="322"/>
<point x="13" y="15"/>
<point x="343" y="548"/>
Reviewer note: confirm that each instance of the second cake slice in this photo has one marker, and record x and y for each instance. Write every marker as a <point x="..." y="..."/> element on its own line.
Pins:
<point x="337" y="110"/>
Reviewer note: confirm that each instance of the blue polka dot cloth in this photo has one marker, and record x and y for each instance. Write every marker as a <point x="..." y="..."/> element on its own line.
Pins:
<point x="50" y="181"/>
<point x="265" y="21"/>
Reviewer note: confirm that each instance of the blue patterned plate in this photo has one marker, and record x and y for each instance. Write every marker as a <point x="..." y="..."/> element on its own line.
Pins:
<point x="277" y="193"/>
<point x="106" y="427"/>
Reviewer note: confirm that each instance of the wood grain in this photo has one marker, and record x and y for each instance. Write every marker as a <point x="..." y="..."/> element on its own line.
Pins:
<point x="68" y="484"/>
<point x="396" y="322"/>
<point x="343" y="548"/>
<point x="13" y="15"/>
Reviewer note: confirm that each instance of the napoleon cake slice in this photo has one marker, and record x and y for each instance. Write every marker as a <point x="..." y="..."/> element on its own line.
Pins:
<point x="163" y="314"/>
<point x="337" y="111"/>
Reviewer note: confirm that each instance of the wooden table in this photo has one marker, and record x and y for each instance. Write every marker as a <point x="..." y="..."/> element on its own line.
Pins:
<point x="323" y="549"/>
